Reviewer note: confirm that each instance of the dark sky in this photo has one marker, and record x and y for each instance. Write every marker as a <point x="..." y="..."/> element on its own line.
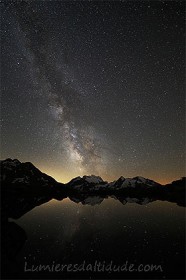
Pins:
<point x="94" y="87"/>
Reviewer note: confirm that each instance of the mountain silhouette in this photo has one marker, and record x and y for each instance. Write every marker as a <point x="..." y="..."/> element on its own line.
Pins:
<point x="23" y="186"/>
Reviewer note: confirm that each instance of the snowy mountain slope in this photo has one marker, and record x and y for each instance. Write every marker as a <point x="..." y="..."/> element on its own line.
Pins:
<point x="24" y="184"/>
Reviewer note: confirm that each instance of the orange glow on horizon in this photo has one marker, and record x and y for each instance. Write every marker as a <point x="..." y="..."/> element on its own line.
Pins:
<point x="64" y="177"/>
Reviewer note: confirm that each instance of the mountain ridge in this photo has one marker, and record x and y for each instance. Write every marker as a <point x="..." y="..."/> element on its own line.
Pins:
<point x="86" y="178"/>
<point x="24" y="186"/>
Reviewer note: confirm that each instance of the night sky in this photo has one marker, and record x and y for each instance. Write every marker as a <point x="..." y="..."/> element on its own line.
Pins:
<point x="94" y="87"/>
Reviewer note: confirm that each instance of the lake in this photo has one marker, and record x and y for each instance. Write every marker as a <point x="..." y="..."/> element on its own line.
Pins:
<point x="102" y="240"/>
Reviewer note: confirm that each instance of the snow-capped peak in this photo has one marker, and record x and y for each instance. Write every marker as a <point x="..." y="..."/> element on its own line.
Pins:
<point x="132" y="182"/>
<point x="93" y="179"/>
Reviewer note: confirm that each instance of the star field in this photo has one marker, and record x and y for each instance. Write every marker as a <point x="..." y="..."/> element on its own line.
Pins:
<point x="94" y="87"/>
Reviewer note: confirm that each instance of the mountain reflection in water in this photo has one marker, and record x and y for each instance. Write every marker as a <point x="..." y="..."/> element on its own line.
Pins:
<point x="96" y="229"/>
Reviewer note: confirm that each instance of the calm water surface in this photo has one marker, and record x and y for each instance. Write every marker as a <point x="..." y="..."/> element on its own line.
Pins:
<point x="68" y="232"/>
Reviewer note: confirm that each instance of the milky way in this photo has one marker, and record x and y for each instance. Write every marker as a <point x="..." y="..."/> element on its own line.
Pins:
<point x="55" y="81"/>
<point x="94" y="87"/>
